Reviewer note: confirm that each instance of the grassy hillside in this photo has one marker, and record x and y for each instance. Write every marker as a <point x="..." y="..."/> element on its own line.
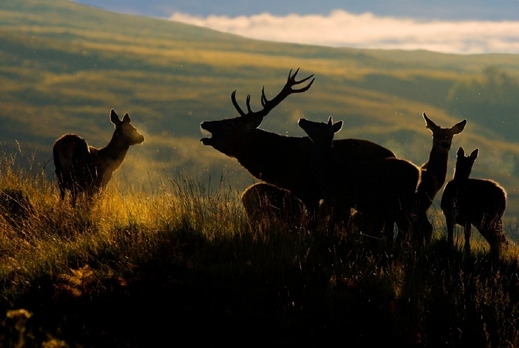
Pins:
<point x="138" y="270"/>
<point x="63" y="66"/>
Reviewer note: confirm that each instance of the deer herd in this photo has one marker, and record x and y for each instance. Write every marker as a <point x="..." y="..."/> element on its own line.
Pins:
<point x="350" y="184"/>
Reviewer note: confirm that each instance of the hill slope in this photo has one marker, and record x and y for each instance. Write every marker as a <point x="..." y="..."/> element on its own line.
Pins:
<point x="64" y="65"/>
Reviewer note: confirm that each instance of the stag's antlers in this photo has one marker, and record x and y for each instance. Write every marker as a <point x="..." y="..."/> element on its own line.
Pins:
<point x="270" y="104"/>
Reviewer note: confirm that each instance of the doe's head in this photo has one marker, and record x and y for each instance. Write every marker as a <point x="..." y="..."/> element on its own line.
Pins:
<point x="442" y="137"/>
<point x="464" y="163"/>
<point x="320" y="132"/>
<point x="124" y="129"/>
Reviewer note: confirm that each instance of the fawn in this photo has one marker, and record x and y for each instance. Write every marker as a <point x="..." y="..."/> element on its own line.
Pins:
<point x="477" y="202"/>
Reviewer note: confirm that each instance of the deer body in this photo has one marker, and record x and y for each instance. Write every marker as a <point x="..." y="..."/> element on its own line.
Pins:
<point x="384" y="189"/>
<point x="433" y="174"/>
<point x="84" y="168"/>
<point x="477" y="202"/>
<point x="280" y="160"/>
<point x="266" y="203"/>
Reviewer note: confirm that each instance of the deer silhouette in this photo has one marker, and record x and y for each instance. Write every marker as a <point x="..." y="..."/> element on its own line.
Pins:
<point x="479" y="202"/>
<point x="268" y="204"/>
<point x="84" y="168"/>
<point x="433" y="175"/>
<point x="276" y="159"/>
<point x="383" y="189"/>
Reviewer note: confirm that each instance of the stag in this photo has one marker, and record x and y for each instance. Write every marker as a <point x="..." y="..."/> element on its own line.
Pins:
<point x="434" y="172"/>
<point x="84" y="168"/>
<point x="479" y="202"/>
<point x="383" y="189"/>
<point x="276" y="159"/>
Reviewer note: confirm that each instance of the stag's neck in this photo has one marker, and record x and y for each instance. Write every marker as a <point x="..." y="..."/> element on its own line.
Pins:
<point x="280" y="160"/>
<point x="264" y="153"/>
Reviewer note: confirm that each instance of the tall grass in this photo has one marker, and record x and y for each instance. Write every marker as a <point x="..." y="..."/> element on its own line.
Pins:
<point x="142" y="264"/>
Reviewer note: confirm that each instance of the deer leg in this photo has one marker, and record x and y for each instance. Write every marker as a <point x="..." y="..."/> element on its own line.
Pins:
<point x="405" y="227"/>
<point x="388" y="227"/>
<point x="450" y="229"/>
<point x="427" y="229"/>
<point x="468" y="227"/>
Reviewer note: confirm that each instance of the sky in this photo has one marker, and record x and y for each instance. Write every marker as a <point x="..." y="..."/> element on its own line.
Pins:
<point x="465" y="27"/>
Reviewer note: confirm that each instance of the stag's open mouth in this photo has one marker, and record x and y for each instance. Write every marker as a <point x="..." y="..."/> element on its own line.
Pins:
<point x="206" y="140"/>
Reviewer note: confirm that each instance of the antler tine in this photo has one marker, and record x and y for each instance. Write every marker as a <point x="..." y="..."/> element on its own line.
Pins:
<point x="291" y="81"/>
<point x="248" y="105"/>
<point x="264" y="99"/>
<point x="235" y="103"/>
<point x="270" y="104"/>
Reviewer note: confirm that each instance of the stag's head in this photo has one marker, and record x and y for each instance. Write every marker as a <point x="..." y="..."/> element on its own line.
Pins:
<point x="442" y="137"/>
<point x="226" y="135"/>
<point x="124" y="130"/>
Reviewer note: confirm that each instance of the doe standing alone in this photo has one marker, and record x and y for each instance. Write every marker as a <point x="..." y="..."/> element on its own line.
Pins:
<point x="84" y="168"/>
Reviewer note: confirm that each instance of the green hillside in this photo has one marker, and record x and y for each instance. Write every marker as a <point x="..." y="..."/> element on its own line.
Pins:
<point x="63" y="66"/>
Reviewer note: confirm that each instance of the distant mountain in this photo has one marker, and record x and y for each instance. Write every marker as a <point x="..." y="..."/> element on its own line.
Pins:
<point x="420" y="9"/>
<point x="63" y="66"/>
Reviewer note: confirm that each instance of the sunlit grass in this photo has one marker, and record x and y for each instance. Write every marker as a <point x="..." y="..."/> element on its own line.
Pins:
<point x="185" y="232"/>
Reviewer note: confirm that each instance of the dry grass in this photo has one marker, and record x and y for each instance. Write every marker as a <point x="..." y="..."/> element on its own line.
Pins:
<point x="102" y="275"/>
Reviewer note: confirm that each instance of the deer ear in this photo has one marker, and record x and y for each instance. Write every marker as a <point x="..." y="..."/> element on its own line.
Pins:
<point x="255" y="122"/>
<point x="330" y="120"/>
<point x="474" y="154"/>
<point x="460" y="153"/>
<point x="337" y="126"/>
<point x="428" y="123"/>
<point x="457" y="128"/>
<point x="126" y="118"/>
<point x="114" y="117"/>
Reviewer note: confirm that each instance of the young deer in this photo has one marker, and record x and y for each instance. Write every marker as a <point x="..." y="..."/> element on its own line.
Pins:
<point x="276" y="159"/>
<point x="265" y="203"/>
<point x="84" y="168"/>
<point x="384" y="189"/>
<point x="477" y="202"/>
<point x="434" y="172"/>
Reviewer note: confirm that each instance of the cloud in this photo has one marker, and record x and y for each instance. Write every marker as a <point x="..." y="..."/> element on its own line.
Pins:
<point x="343" y="29"/>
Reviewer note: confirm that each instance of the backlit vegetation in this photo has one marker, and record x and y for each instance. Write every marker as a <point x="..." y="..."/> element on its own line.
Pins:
<point x="104" y="275"/>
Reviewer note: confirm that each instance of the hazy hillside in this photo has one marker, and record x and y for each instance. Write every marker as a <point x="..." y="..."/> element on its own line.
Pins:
<point x="64" y="65"/>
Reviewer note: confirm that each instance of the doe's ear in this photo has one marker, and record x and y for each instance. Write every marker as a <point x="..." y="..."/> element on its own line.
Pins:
<point x="460" y="152"/>
<point x="254" y="122"/>
<point x="457" y="128"/>
<point x="126" y="118"/>
<point x="337" y="126"/>
<point x="114" y="117"/>
<point x="474" y="154"/>
<point x="428" y="123"/>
